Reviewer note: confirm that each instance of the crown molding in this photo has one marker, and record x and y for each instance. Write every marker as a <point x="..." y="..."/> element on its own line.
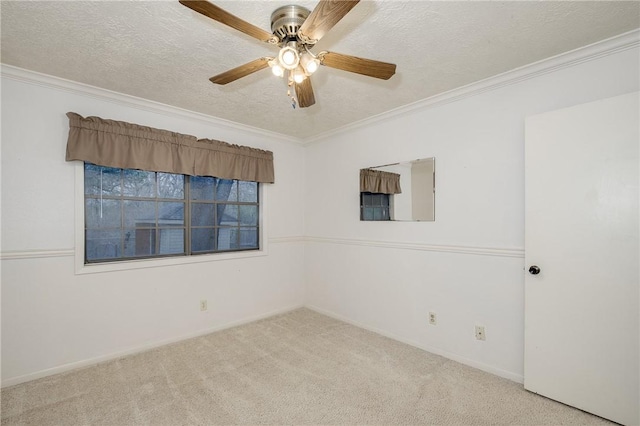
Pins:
<point x="57" y="83"/>
<point x="569" y="59"/>
<point x="610" y="46"/>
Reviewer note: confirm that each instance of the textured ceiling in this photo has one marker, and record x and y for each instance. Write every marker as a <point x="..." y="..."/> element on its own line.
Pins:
<point x="165" y="52"/>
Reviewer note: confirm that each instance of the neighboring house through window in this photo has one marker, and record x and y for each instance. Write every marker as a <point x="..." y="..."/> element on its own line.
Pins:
<point x="131" y="214"/>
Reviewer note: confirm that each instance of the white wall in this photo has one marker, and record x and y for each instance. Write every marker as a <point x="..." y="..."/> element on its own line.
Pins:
<point x="52" y="318"/>
<point x="467" y="266"/>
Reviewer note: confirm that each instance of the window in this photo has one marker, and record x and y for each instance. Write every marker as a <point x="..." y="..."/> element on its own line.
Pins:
<point x="374" y="206"/>
<point x="133" y="214"/>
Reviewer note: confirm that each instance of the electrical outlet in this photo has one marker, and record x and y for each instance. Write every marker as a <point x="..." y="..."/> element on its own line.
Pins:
<point x="432" y="318"/>
<point x="480" y="334"/>
<point x="203" y="305"/>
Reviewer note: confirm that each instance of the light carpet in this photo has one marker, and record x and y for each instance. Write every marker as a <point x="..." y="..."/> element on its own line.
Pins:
<point x="296" y="368"/>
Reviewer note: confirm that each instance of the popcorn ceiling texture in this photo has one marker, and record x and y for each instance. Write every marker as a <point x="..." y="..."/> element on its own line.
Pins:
<point x="164" y="52"/>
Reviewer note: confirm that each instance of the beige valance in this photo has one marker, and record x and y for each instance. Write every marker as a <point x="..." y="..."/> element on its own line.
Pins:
<point x="130" y="146"/>
<point x="379" y="182"/>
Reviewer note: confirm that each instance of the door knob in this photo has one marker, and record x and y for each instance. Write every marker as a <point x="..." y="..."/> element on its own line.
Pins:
<point x="534" y="270"/>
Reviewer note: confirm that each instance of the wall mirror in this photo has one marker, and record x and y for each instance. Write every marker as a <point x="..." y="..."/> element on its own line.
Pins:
<point x="398" y="192"/>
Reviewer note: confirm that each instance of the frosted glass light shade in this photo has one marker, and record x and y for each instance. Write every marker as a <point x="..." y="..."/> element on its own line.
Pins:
<point x="288" y="57"/>
<point x="309" y="63"/>
<point x="298" y="75"/>
<point x="277" y="70"/>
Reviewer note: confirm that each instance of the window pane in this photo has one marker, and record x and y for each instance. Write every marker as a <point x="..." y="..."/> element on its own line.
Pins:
<point x="227" y="238"/>
<point x="125" y="218"/>
<point x="139" y="242"/>
<point x="202" y="187"/>
<point x="202" y="239"/>
<point x="139" y="214"/>
<point x="248" y="215"/>
<point x="367" y="213"/>
<point x="103" y="245"/>
<point x="92" y="179"/>
<point x="248" y="238"/>
<point x="382" y="212"/>
<point x="226" y="190"/>
<point x="170" y="185"/>
<point x="228" y="214"/>
<point x="139" y="183"/>
<point x="170" y="214"/>
<point x="248" y="191"/>
<point x="377" y="214"/>
<point x="98" y="179"/>
<point x="202" y="214"/>
<point x="102" y="213"/>
<point x="171" y="240"/>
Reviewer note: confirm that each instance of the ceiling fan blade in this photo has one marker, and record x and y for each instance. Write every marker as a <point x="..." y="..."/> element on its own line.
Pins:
<point x="304" y="93"/>
<point x="241" y="71"/>
<point x="368" y="67"/>
<point x="216" y="13"/>
<point x="326" y="14"/>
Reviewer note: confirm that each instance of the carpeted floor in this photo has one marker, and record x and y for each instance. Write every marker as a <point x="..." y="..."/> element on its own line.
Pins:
<point x="296" y="368"/>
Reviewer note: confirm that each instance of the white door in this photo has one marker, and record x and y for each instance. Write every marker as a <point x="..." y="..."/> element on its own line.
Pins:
<point x="582" y="326"/>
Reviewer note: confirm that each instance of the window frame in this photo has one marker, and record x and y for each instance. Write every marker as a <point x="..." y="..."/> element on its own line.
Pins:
<point x="151" y="262"/>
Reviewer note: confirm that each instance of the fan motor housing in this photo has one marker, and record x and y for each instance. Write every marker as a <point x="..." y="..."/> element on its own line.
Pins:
<point x="287" y="20"/>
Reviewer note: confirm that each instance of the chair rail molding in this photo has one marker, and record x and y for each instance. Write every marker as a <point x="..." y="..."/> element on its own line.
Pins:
<point x="70" y="252"/>
<point x="517" y="252"/>
<point x="35" y="254"/>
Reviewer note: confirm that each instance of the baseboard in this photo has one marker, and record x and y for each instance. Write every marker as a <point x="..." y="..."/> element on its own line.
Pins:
<point x="152" y="345"/>
<point x="455" y="357"/>
<point x="137" y="349"/>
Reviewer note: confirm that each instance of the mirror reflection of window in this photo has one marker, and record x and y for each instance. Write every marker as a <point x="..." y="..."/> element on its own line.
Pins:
<point x="374" y="206"/>
<point x="376" y="189"/>
<point x="409" y="187"/>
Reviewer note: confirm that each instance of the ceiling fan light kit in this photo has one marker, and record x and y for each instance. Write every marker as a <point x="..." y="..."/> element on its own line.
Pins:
<point x="295" y="30"/>
<point x="288" y="57"/>
<point x="276" y="68"/>
<point x="309" y="62"/>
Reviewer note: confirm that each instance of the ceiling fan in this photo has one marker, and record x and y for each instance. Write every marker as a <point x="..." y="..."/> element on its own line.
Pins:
<point x="295" y="30"/>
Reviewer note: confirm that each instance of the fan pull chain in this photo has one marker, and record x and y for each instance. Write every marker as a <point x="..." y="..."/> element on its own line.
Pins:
<point x="293" y="99"/>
